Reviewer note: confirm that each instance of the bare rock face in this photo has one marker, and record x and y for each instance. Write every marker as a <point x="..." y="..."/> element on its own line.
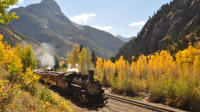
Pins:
<point x="170" y="28"/>
<point x="45" y="22"/>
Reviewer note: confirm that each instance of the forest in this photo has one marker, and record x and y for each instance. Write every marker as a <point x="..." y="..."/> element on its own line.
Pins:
<point x="170" y="79"/>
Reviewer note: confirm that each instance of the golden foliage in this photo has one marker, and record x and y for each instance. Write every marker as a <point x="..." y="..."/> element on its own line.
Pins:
<point x="30" y="80"/>
<point x="7" y="93"/>
<point x="171" y="80"/>
<point x="80" y="56"/>
<point x="48" y="99"/>
<point x="27" y="57"/>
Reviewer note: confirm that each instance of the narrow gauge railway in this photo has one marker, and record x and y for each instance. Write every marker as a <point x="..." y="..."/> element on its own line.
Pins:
<point x="81" y="87"/>
<point x="139" y="104"/>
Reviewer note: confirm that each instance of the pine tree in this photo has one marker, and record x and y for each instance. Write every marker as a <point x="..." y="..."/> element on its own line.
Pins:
<point x="94" y="58"/>
<point x="56" y="66"/>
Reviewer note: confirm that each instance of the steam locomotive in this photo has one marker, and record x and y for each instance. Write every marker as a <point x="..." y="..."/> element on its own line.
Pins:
<point x="83" y="88"/>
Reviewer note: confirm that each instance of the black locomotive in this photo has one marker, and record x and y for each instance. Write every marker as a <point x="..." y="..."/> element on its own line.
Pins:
<point x="83" y="88"/>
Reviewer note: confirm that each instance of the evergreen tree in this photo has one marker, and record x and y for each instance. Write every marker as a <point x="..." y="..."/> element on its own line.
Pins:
<point x="56" y="66"/>
<point x="81" y="47"/>
<point x="94" y="58"/>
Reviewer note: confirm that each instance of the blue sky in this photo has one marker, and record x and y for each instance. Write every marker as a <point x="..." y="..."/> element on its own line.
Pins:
<point x="123" y="17"/>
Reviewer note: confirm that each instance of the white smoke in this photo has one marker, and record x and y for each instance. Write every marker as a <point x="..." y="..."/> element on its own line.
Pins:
<point x="44" y="55"/>
<point x="47" y="60"/>
<point x="47" y="47"/>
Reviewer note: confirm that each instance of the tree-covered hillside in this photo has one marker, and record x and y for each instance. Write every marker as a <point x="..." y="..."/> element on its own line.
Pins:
<point x="174" y="26"/>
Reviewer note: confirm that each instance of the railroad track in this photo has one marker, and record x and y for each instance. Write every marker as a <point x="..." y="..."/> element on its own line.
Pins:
<point x="137" y="103"/>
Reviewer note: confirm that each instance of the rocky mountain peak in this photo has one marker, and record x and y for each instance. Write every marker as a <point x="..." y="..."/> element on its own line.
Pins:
<point x="51" y="4"/>
<point x="45" y="22"/>
<point x="48" y="1"/>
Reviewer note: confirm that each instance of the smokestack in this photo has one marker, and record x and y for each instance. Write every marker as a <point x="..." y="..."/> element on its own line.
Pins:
<point x="91" y="73"/>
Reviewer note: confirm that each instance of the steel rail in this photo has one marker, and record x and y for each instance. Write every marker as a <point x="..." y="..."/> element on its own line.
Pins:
<point x="137" y="103"/>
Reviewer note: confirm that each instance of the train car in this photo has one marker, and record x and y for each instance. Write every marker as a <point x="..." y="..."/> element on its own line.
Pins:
<point x="83" y="88"/>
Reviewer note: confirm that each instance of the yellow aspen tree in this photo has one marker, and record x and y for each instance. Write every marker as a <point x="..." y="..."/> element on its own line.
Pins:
<point x="28" y="59"/>
<point x="15" y="70"/>
<point x="99" y="68"/>
<point x="75" y="55"/>
<point x="104" y="74"/>
<point x="196" y="66"/>
<point x="7" y="59"/>
<point x="141" y="66"/>
<point x="30" y="80"/>
<point x="120" y="66"/>
<point x="2" y="51"/>
<point x="6" y="54"/>
<point x="185" y="59"/>
<point x="82" y="60"/>
<point x="110" y="70"/>
<point x="88" y="60"/>
<point x="133" y="66"/>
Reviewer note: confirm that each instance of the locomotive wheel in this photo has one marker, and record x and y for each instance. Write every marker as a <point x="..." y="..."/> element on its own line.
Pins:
<point x="82" y="98"/>
<point x="75" y="95"/>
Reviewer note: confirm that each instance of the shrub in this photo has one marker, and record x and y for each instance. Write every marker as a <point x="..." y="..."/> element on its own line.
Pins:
<point x="7" y="93"/>
<point x="46" y="97"/>
<point x="15" y="70"/>
<point x="65" y="106"/>
<point x="30" y="81"/>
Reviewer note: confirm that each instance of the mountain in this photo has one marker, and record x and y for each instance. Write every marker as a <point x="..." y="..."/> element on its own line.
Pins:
<point x="45" y="22"/>
<point x="174" y="27"/>
<point x="12" y="36"/>
<point x="125" y="39"/>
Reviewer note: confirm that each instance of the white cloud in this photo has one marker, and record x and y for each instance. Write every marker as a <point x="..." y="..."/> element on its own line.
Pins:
<point x="140" y="23"/>
<point x="82" y="18"/>
<point x="14" y="6"/>
<point x="105" y="28"/>
<point x="17" y="4"/>
<point x="20" y="1"/>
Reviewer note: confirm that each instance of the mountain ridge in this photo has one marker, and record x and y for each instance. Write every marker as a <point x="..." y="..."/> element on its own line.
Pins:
<point x="174" y="27"/>
<point x="125" y="39"/>
<point x="46" y="23"/>
<point x="13" y="37"/>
